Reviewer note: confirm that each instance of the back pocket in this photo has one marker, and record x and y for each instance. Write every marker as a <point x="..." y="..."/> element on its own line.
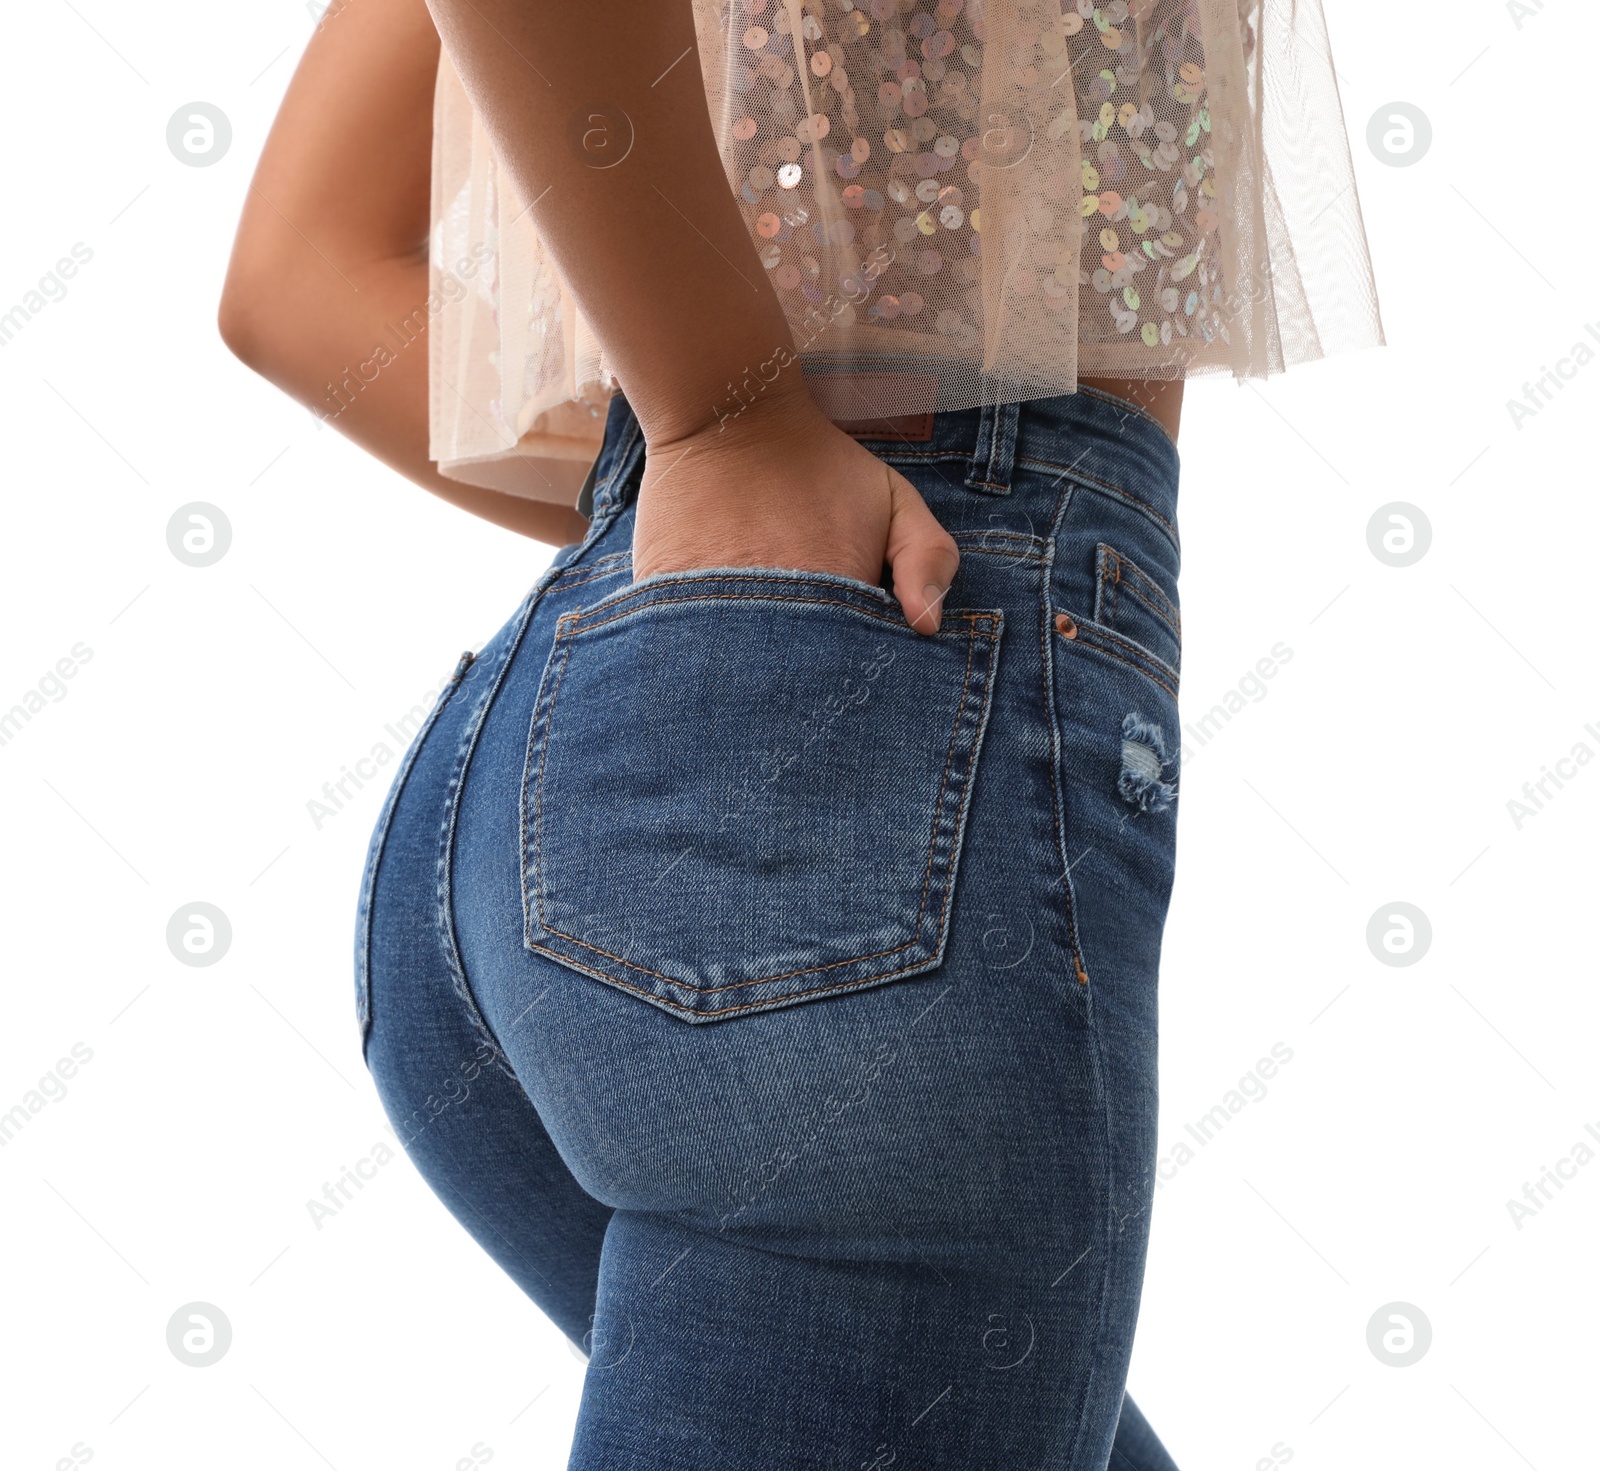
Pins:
<point x="746" y="790"/>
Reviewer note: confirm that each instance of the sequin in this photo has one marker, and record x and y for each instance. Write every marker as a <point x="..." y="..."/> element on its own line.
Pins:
<point x="1088" y="124"/>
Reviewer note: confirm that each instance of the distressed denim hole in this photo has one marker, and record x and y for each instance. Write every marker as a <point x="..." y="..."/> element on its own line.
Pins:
<point x="1144" y="759"/>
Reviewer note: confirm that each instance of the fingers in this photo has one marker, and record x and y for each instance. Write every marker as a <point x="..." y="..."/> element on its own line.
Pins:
<point x="921" y="554"/>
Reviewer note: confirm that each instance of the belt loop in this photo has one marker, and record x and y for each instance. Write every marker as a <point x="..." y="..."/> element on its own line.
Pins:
<point x="610" y="491"/>
<point x="992" y="459"/>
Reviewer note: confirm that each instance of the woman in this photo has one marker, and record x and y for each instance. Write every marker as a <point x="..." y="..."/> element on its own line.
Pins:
<point x="758" y="950"/>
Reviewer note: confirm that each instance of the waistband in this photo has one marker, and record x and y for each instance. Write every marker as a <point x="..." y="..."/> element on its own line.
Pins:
<point x="1090" y="437"/>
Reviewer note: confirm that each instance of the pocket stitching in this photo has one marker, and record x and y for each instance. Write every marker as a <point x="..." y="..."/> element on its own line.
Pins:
<point x="1144" y="587"/>
<point x="575" y="618"/>
<point x="1097" y="632"/>
<point x="975" y="632"/>
<point x="1166" y="618"/>
<point x="828" y="580"/>
<point x="854" y="985"/>
<point x="1138" y="582"/>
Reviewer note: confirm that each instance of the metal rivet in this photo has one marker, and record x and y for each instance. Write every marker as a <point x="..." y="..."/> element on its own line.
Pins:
<point x="1065" y="626"/>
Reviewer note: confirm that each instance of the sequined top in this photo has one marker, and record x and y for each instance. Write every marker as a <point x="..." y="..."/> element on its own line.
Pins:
<point x="957" y="202"/>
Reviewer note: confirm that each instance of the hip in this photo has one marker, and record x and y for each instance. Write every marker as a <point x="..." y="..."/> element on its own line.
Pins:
<point x="714" y="822"/>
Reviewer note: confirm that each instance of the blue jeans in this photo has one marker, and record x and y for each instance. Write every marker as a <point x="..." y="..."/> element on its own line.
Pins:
<point x="771" y="990"/>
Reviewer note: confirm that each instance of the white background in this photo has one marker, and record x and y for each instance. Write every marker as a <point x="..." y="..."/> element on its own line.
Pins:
<point x="1377" y="768"/>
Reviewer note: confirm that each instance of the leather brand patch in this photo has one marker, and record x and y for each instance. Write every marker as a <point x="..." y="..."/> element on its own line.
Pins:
<point x="909" y="428"/>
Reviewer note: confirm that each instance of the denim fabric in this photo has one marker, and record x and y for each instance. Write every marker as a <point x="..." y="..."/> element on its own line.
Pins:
<point x="772" y="990"/>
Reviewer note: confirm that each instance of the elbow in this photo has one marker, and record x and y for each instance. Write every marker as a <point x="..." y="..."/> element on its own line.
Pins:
<point x="242" y="323"/>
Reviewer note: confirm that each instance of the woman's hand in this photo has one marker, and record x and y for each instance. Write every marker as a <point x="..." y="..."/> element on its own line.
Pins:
<point x="779" y="485"/>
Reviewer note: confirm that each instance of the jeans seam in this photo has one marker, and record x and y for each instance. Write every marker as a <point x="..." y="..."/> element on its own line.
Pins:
<point x="1128" y="406"/>
<point x="1074" y="940"/>
<point x="1105" y="487"/>
<point x="369" y="876"/>
<point x="1047" y="663"/>
<point x="444" y="914"/>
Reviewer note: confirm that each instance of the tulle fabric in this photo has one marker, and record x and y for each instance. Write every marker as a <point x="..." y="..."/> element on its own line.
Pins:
<point x="958" y="202"/>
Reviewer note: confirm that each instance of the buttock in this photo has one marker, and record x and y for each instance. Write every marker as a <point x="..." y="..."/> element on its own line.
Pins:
<point x="716" y="824"/>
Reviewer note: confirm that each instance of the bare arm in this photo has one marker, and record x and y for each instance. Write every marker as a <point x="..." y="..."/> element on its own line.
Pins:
<point x="332" y="249"/>
<point x="661" y="263"/>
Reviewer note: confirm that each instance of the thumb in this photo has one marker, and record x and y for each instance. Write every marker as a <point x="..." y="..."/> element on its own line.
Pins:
<point x="921" y="554"/>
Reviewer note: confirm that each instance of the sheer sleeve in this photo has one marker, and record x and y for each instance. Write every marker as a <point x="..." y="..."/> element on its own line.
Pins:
<point x="958" y="202"/>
